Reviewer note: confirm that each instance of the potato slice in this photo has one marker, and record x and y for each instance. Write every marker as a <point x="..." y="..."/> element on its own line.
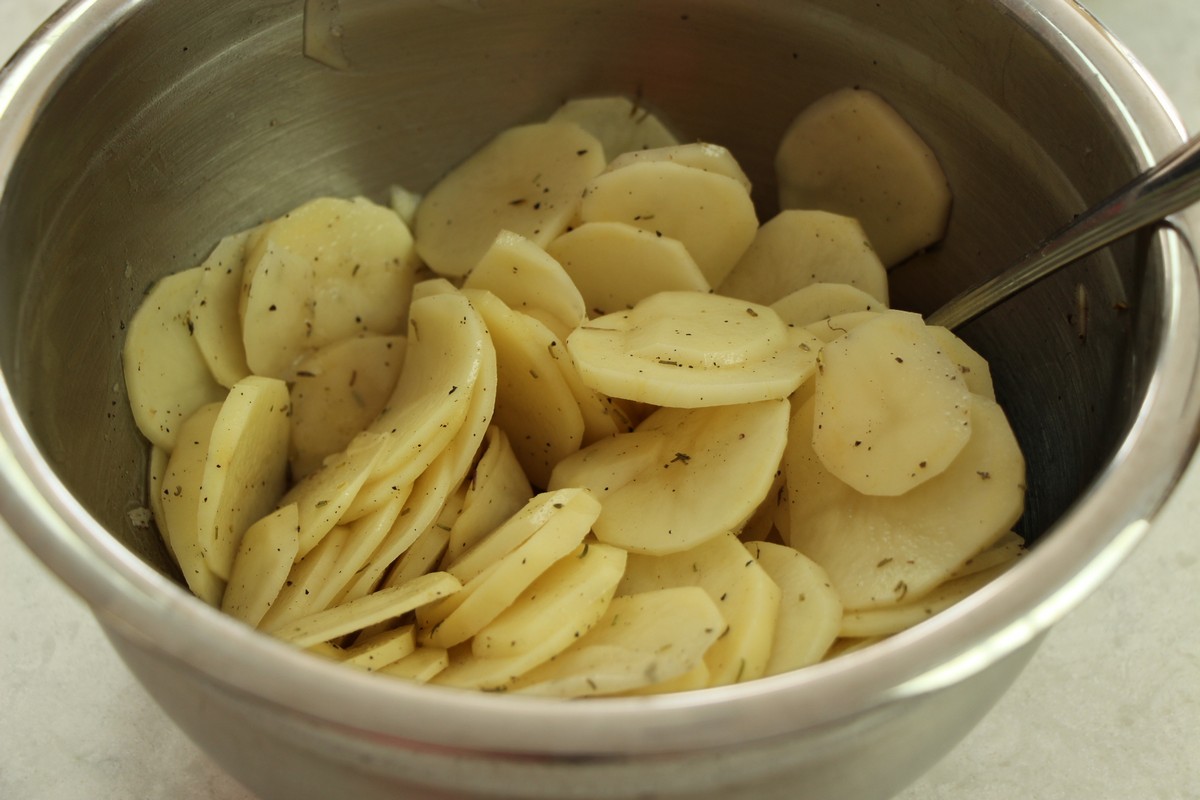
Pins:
<point x="643" y="639"/>
<point x="264" y="559"/>
<point x="974" y="369"/>
<point x="828" y="330"/>
<point x="486" y="595"/>
<point x="701" y="155"/>
<point x="695" y="678"/>
<point x="327" y="270"/>
<point x="382" y="649"/>
<point x="891" y="411"/>
<point x="712" y="468"/>
<point x="246" y="470"/>
<point x="810" y="613"/>
<point x="818" y="302"/>
<point x="214" y="313"/>
<point x="363" y="538"/>
<point x="305" y="580"/>
<point x="404" y="203"/>
<point x="156" y="470"/>
<point x="166" y="376"/>
<point x="527" y="180"/>
<point x="337" y="392"/>
<point x="879" y="551"/>
<point x="799" y="247"/>
<point x="893" y="619"/>
<point x="527" y="278"/>
<point x="749" y="600"/>
<point x="181" y="497"/>
<point x="617" y="122"/>
<point x="421" y="665"/>
<point x="601" y="416"/>
<point x="534" y="404"/>
<point x="616" y="265"/>
<point x="691" y="350"/>
<point x="851" y="153"/>
<point x="498" y="490"/>
<point x="1006" y="549"/>
<point x="711" y="214"/>
<point x="358" y="614"/>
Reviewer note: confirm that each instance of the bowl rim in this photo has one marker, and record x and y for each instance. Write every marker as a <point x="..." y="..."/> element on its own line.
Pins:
<point x="145" y="608"/>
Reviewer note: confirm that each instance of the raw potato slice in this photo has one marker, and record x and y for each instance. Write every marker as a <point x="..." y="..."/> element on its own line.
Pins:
<point x="695" y="678"/>
<point x="527" y="180"/>
<point x="263" y="561"/>
<point x="1008" y="548"/>
<point x="498" y="490"/>
<point x="616" y="265"/>
<point x="827" y="330"/>
<point x="246" y="470"/>
<point x="891" y="411"/>
<point x="893" y="619"/>
<point x="973" y="367"/>
<point x="337" y="392"/>
<point x="601" y="417"/>
<point x="215" y="321"/>
<point x="879" y="551"/>
<point x="328" y="270"/>
<point x="617" y="122"/>
<point x="358" y="614"/>
<point x="324" y="496"/>
<point x="421" y="665"/>
<point x="534" y="404"/>
<point x="810" y="612"/>
<point x="701" y="155"/>
<point x="156" y="470"/>
<point x="611" y="463"/>
<point x="363" y="537"/>
<point x="382" y="649"/>
<point x="714" y="467"/>
<point x="711" y="214"/>
<point x="404" y="203"/>
<point x="526" y="278"/>
<point x="851" y="153"/>
<point x="642" y="639"/>
<point x="822" y="301"/>
<point x="166" y="376"/>
<point x="489" y="593"/>
<point x="305" y="580"/>
<point x="426" y="551"/>
<point x="691" y="350"/>
<point x="797" y="248"/>
<point x="181" y="494"/>
<point x="747" y="597"/>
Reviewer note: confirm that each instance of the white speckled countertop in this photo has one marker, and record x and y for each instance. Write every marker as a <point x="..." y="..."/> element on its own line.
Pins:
<point x="1109" y="708"/>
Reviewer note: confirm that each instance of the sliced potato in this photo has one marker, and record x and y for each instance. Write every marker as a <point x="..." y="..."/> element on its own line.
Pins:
<point x="404" y="203"/>
<point x="156" y="470"/>
<point x="304" y="581"/>
<point x="879" y="551"/>
<point x="498" y="490"/>
<point x="810" y="613"/>
<point x="215" y="321"/>
<point x="246" y="470"/>
<point x="601" y="416"/>
<point x="527" y="279"/>
<point x="643" y="639"/>
<point x="820" y="302"/>
<point x="327" y="270"/>
<point x="617" y="122"/>
<point x="181" y="497"/>
<point x="166" y="376"/>
<point x="851" y="153"/>
<point x="973" y="367"/>
<point x="384" y="648"/>
<point x="421" y="665"/>
<point x="264" y="559"/>
<point x="617" y="264"/>
<point x="797" y="248"/>
<point x="527" y="180"/>
<point x="691" y="350"/>
<point x="891" y="410"/>
<point x="749" y="601"/>
<point x="710" y="213"/>
<point x="701" y="155"/>
<point x="337" y="392"/>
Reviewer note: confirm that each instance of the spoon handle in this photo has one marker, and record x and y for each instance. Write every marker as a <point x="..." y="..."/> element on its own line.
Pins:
<point x="1170" y="186"/>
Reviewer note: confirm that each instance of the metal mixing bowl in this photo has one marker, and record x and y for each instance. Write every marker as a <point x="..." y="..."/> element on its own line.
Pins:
<point x="136" y="132"/>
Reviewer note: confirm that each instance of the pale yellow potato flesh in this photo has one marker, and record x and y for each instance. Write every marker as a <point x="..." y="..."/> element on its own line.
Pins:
<point x="327" y="270"/>
<point x="527" y="278"/>
<point x="797" y="248"/>
<point x="1006" y="549"/>
<point x="264" y="560"/>
<point x="616" y="265"/>
<point x="166" y="376"/>
<point x="214" y="312"/>
<point x="879" y="551"/>
<point x="642" y="639"/>
<point x="363" y="537"/>
<point x="701" y="155"/>
<point x="828" y="330"/>
<point x="611" y="463"/>
<point x="693" y="350"/>
<point x="528" y="180"/>
<point x="749" y="601"/>
<point x="601" y="416"/>
<point x="156" y="470"/>
<point x="619" y="124"/>
<point x="383" y="648"/>
<point x="973" y="367"/>
<point x="336" y="392"/>
<point x="405" y="203"/>
<point x="245" y="473"/>
<point x="421" y="665"/>
<point x="810" y="613"/>
<point x="853" y="154"/>
<point x="304" y="581"/>
<point x="498" y="490"/>
<point x="823" y="301"/>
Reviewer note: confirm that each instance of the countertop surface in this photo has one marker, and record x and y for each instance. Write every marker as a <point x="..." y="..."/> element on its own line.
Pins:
<point x="1108" y="709"/>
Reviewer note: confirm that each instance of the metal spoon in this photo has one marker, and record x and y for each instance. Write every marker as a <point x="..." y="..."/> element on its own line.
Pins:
<point x="1172" y="185"/>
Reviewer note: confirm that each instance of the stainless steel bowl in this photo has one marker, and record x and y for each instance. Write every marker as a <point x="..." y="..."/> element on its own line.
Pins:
<point x="134" y="133"/>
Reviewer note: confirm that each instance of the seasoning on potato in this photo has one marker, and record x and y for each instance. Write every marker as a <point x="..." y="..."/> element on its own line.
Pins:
<point x="564" y="465"/>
